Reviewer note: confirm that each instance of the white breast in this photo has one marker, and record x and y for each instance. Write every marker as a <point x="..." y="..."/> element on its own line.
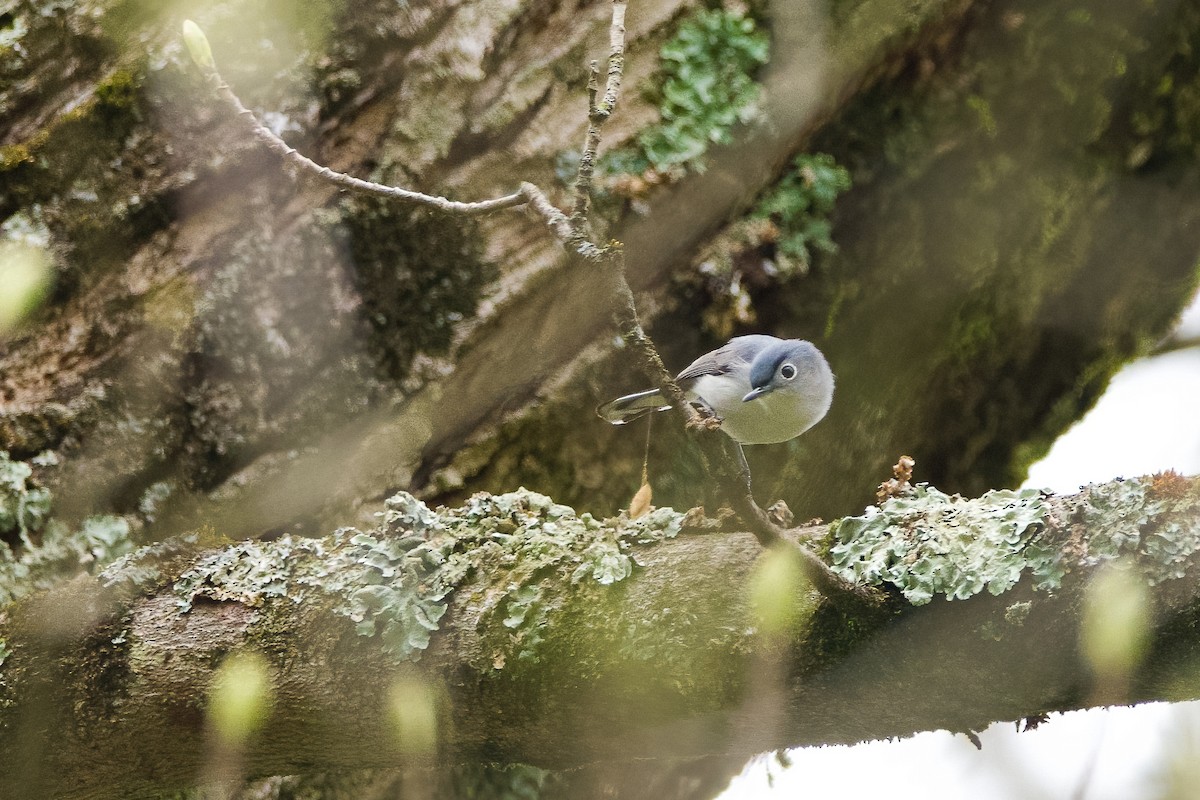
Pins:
<point x="774" y="417"/>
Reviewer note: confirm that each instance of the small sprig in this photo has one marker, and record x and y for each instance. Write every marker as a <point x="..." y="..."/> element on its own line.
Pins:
<point x="201" y="52"/>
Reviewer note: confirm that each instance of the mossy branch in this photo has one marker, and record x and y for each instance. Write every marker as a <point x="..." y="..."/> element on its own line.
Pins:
<point x="517" y="597"/>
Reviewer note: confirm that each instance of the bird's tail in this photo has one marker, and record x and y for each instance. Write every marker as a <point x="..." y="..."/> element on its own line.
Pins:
<point x="633" y="406"/>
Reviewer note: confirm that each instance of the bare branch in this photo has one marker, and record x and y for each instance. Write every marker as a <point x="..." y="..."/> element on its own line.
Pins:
<point x="1174" y="343"/>
<point x="587" y="159"/>
<point x="616" y="59"/>
<point x="597" y="114"/>
<point x="555" y="220"/>
<point x="278" y="145"/>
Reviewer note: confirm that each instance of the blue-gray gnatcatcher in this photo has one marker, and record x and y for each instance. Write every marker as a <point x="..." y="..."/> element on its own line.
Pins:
<point x="765" y="390"/>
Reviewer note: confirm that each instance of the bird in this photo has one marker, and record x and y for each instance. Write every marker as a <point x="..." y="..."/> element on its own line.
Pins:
<point x="764" y="390"/>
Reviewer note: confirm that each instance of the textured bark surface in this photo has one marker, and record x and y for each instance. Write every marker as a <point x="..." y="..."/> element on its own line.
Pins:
<point x="245" y="312"/>
<point x="669" y="662"/>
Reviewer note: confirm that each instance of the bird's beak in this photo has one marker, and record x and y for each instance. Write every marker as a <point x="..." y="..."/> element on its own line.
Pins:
<point x="753" y="393"/>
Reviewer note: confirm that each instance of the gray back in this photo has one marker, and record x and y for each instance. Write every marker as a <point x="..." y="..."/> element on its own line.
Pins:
<point x="734" y="356"/>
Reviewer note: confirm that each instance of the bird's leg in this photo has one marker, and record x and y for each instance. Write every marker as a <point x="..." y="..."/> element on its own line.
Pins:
<point x="743" y="465"/>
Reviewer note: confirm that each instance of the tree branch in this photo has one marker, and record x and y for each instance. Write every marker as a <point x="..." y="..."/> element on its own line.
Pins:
<point x="546" y="638"/>
<point x="307" y="165"/>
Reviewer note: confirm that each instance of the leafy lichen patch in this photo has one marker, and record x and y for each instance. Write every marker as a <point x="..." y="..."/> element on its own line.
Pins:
<point x="928" y="543"/>
<point x="1161" y="529"/>
<point x="707" y="90"/>
<point x="44" y="550"/>
<point x="395" y="581"/>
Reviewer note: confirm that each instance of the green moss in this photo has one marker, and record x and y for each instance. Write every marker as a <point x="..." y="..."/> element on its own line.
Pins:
<point x="86" y="173"/>
<point x="419" y="273"/>
<point x="799" y="206"/>
<point x="1155" y="121"/>
<point x="14" y="155"/>
<point x="498" y="782"/>
<point x="121" y="90"/>
<point x="705" y="90"/>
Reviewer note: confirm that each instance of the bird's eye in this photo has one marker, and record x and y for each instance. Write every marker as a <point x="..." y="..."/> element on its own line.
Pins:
<point x="787" y="371"/>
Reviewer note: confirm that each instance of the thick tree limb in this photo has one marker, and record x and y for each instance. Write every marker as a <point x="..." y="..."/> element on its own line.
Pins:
<point x="560" y="646"/>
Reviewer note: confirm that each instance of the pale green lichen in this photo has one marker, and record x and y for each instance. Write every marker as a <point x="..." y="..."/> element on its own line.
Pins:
<point x="46" y="549"/>
<point x="245" y="572"/>
<point x="1129" y="517"/>
<point x="1018" y="612"/>
<point x="928" y="543"/>
<point x="24" y="506"/>
<point x="650" y="528"/>
<point x="61" y="553"/>
<point x="1116" y="512"/>
<point x="395" y="581"/>
<point x="137" y="570"/>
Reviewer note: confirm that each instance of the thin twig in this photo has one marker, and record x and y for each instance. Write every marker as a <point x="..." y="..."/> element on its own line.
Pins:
<point x="828" y="583"/>
<point x="616" y="60"/>
<point x="630" y="325"/>
<point x="597" y="114"/>
<point x="587" y="159"/>
<point x="278" y="145"/>
<point x="555" y="220"/>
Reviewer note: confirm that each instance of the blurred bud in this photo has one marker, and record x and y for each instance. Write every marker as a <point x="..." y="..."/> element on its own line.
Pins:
<point x="197" y="45"/>
<point x="25" y="275"/>
<point x="239" y="698"/>
<point x="414" y="714"/>
<point x="1115" y="628"/>
<point x="779" y="596"/>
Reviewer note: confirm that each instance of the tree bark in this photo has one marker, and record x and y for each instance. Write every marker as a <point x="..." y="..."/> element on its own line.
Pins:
<point x="566" y="642"/>
<point x="190" y="269"/>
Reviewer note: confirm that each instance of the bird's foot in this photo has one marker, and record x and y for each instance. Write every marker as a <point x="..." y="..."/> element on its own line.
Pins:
<point x="705" y="419"/>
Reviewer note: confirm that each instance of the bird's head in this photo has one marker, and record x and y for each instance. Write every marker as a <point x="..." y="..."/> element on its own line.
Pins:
<point x="782" y="365"/>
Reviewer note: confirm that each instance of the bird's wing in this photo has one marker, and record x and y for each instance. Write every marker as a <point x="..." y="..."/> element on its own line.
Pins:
<point x="738" y="352"/>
